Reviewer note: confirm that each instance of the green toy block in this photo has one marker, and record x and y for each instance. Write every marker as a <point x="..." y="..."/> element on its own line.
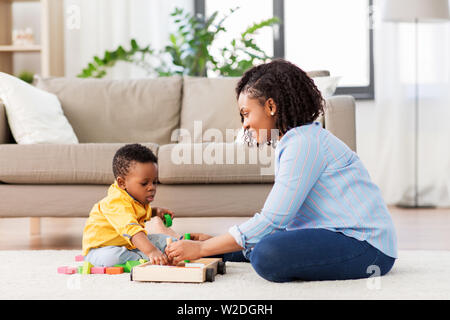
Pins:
<point x="187" y="236"/>
<point x="80" y="269"/>
<point x="129" y="265"/>
<point x="167" y="220"/>
<point x="142" y="261"/>
<point x="86" y="267"/>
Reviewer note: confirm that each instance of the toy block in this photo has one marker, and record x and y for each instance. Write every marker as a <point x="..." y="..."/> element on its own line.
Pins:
<point x="71" y="270"/>
<point x="194" y="265"/>
<point x="80" y="269"/>
<point x="98" y="270"/>
<point x="62" y="269"/>
<point x="129" y="265"/>
<point x="141" y="261"/>
<point x="114" y="270"/>
<point x="123" y="266"/>
<point x="187" y="236"/>
<point x="86" y="268"/>
<point x="79" y="258"/>
<point x="67" y="270"/>
<point x="167" y="220"/>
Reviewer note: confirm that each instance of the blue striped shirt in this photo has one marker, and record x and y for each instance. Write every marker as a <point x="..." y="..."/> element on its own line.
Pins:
<point x="320" y="183"/>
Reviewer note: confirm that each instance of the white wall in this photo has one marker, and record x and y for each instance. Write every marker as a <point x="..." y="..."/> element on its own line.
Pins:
<point x="366" y="133"/>
<point x="106" y="24"/>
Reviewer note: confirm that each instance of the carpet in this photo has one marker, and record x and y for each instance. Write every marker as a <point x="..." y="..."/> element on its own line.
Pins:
<point x="32" y="275"/>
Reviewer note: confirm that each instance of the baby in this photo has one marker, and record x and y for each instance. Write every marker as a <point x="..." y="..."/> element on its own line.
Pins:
<point x="115" y="230"/>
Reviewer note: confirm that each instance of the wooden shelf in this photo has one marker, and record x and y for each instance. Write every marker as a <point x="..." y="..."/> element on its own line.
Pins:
<point x="19" y="0"/>
<point x="51" y="46"/>
<point x="16" y="48"/>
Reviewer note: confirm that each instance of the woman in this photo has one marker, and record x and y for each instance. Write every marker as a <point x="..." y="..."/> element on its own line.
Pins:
<point x="324" y="218"/>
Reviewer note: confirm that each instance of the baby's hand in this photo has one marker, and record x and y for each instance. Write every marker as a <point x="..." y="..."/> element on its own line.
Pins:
<point x="157" y="257"/>
<point x="160" y="212"/>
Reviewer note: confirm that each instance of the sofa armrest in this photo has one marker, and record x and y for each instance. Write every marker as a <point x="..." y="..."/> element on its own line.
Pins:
<point x="340" y="119"/>
<point x="5" y="133"/>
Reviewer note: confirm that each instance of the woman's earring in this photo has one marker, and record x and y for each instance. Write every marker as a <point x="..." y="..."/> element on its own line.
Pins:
<point x="272" y="113"/>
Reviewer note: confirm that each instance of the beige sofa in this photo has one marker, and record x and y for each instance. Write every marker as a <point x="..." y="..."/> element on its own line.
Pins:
<point x="207" y="195"/>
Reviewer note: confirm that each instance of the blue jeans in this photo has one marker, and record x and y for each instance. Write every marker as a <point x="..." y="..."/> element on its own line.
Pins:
<point x="314" y="254"/>
<point x="111" y="255"/>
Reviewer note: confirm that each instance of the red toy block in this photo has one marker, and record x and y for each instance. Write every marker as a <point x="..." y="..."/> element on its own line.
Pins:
<point x="114" y="270"/>
<point x="98" y="270"/>
<point x="79" y="258"/>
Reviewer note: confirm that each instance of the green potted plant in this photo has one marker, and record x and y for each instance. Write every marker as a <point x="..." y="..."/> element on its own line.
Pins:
<point x="188" y="50"/>
<point x="26" y="76"/>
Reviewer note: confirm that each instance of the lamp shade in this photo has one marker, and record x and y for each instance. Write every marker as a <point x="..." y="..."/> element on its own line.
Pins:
<point x="412" y="10"/>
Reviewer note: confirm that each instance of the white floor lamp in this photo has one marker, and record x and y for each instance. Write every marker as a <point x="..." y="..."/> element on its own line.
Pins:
<point x="416" y="11"/>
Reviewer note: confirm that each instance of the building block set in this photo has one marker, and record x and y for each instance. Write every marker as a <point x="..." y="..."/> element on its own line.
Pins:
<point x="199" y="270"/>
<point x="196" y="271"/>
<point x="88" y="268"/>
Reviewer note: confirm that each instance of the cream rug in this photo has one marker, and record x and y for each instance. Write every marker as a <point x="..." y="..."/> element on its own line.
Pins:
<point x="32" y="275"/>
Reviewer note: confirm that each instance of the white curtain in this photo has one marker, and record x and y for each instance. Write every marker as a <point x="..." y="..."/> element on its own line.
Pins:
<point x="393" y="146"/>
<point x="94" y="26"/>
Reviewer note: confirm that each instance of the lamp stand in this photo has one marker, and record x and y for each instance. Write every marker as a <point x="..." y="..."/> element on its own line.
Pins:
<point x="416" y="123"/>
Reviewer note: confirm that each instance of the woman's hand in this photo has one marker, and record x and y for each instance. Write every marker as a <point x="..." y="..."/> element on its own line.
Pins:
<point x="200" y="236"/>
<point x="190" y="250"/>
<point x="183" y="250"/>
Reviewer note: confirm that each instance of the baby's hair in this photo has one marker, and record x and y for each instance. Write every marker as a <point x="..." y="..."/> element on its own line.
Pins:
<point x="296" y="96"/>
<point x="128" y="154"/>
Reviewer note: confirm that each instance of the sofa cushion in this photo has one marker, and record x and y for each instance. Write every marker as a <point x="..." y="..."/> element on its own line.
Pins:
<point x="215" y="163"/>
<point x="340" y="118"/>
<point x="119" y="110"/>
<point x="213" y="101"/>
<point x="89" y="163"/>
<point x="200" y="200"/>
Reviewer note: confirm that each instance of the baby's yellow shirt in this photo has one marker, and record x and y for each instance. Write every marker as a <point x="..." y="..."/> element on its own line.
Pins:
<point x="114" y="220"/>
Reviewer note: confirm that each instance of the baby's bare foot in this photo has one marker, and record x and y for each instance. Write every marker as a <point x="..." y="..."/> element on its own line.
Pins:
<point x="156" y="225"/>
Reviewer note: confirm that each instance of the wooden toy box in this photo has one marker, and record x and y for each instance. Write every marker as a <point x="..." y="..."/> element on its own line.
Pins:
<point x="200" y="270"/>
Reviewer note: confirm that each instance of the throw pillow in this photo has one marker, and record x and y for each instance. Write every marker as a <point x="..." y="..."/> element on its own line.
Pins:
<point x="326" y="85"/>
<point x="34" y="115"/>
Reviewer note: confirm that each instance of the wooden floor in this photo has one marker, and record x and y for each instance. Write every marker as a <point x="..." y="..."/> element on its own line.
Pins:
<point x="417" y="229"/>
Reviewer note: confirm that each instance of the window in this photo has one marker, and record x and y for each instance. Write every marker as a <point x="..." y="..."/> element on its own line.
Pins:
<point x="249" y="12"/>
<point x="337" y="36"/>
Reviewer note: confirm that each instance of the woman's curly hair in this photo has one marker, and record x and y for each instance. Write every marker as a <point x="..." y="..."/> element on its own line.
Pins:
<point x="296" y="96"/>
